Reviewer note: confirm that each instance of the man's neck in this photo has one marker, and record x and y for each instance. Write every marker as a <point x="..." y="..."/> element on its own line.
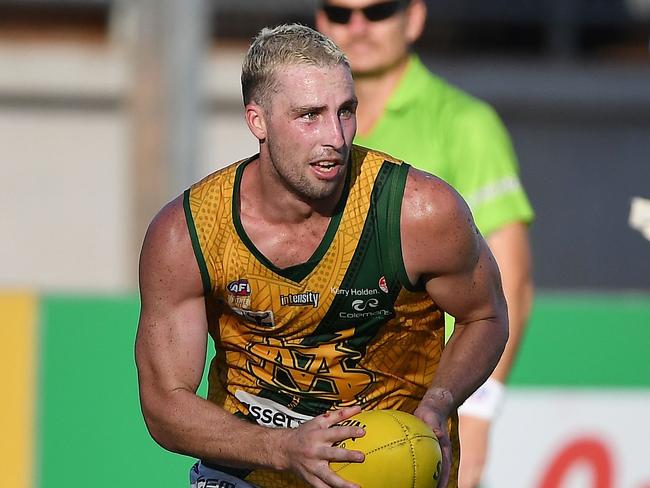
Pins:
<point x="274" y="202"/>
<point x="373" y="91"/>
<point x="284" y="228"/>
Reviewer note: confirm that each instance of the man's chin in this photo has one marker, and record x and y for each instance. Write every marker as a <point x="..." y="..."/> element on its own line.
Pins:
<point x="324" y="189"/>
<point x="371" y="66"/>
<point x="365" y="69"/>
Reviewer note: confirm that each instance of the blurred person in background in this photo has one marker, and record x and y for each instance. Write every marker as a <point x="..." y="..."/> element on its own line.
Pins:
<point x="288" y="260"/>
<point x="407" y="111"/>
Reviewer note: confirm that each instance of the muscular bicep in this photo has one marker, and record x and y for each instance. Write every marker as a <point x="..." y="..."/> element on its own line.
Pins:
<point x="472" y="293"/>
<point x="444" y="251"/>
<point x="172" y="330"/>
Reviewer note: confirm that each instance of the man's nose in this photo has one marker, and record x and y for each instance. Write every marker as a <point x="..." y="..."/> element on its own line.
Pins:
<point x="334" y="132"/>
<point x="358" y="22"/>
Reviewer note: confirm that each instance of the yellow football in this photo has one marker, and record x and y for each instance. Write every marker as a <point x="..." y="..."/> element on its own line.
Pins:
<point x="401" y="451"/>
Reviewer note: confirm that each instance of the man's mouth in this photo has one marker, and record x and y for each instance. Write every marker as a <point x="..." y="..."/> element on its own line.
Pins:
<point x="325" y="166"/>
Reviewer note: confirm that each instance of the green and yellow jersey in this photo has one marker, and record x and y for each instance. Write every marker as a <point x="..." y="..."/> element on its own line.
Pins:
<point x="344" y="328"/>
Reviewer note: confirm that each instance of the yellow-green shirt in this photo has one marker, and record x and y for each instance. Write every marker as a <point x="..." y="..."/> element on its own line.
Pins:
<point x="442" y="130"/>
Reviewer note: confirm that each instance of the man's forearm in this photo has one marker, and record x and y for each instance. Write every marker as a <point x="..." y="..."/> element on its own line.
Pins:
<point x="470" y="356"/>
<point x="187" y="424"/>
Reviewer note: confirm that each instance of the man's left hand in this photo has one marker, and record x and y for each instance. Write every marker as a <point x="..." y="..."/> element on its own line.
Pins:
<point x="429" y="414"/>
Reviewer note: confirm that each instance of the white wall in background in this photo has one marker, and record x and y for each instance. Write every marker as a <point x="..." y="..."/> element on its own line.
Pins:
<point x="590" y="439"/>
<point x="64" y="200"/>
<point x="65" y="162"/>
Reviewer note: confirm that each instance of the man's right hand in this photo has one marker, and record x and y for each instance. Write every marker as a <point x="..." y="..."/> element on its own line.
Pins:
<point x="308" y="449"/>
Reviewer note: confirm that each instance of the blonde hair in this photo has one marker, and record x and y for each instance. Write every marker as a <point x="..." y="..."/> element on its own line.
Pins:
<point x="286" y="44"/>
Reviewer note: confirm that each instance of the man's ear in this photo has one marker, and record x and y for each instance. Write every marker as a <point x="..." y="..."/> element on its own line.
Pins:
<point x="255" y="118"/>
<point x="416" y="19"/>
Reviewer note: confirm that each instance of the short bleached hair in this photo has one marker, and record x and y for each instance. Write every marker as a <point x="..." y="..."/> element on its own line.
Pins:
<point x="284" y="45"/>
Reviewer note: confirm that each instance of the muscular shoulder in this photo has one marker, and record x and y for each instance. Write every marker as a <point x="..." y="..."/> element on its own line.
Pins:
<point x="168" y="229"/>
<point x="167" y="256"/>
<point x="438" y="231"/>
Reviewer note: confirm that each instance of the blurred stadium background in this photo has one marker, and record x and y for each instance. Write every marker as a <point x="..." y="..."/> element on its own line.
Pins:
<point x="110" y="108"/>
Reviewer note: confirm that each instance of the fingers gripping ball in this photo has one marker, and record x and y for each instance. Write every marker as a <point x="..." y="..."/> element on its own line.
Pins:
<point x="401" y="451"/>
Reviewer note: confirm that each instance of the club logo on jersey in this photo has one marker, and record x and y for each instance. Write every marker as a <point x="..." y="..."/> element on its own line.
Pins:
<point x="361" y="305"/>
<point x="329" y="371"/>
<point x="264" y="319"/>
<point x="239" y="294"/>
<point x="383" y="285"/>
<point x="300" y="299"/>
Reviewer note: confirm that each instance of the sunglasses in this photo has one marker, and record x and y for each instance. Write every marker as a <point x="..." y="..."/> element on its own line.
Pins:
<point x="373" y="13"/>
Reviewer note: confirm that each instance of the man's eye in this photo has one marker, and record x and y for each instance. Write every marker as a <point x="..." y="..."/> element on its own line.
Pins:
<point x="346" y="112"/>
<point x="309" y="115"/>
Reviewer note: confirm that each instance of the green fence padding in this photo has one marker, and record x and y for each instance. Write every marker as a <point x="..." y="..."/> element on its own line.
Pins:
<point x="91" y="429"/>
<point x="586" y="341"/>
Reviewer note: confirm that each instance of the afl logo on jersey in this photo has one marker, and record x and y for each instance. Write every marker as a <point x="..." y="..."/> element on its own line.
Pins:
<point x="239" y="294"/>
<point x="382" y="284"/>
<point x="239" y="288"/>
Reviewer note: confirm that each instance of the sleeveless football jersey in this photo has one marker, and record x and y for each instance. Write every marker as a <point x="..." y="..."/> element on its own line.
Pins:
<point x="344" y="328"/>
